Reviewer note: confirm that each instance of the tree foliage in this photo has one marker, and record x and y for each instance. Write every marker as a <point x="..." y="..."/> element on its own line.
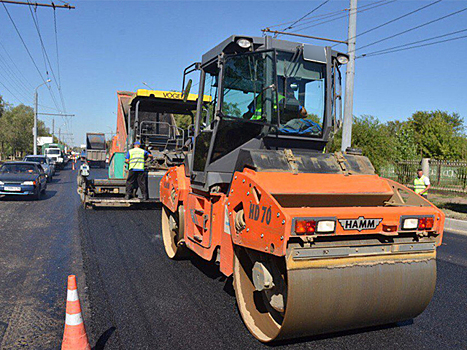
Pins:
<point x="16" y="124"/>
<point x="429" y="134"/>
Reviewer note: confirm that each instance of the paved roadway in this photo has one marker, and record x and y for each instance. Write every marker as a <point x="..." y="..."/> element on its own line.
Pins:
<point x="136" y="298"/>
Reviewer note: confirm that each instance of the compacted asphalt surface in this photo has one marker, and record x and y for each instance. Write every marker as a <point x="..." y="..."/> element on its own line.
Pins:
<point x="134" y="297"/>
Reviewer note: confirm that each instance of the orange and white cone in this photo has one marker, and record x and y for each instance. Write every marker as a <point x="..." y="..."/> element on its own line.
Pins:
<point x="74" y="337"/>
<point x="72" y="165"/>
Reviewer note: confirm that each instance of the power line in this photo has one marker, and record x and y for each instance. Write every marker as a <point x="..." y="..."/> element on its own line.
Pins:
<point x="56" y="50"/>
<point x="20" y="75"/>
<point x="312" y="17"/>
<point x="396" y="19"/>
<point x="303" y="17"/>
<point x="12" y="94"/>
<point x="18" y="90"/>
<point x="12" y="74"/>
<point x="411" y="29"/>
<point x="379" y="4"/>
<point x="44" y="52"/>
<point x="404" y="46"/>
<point x="29" y="53"/>
<point x="321" y="17"/>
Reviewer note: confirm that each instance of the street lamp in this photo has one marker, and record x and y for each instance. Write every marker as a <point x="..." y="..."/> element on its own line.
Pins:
<point x="34" y="131"/>
<point x="147" y="85"/>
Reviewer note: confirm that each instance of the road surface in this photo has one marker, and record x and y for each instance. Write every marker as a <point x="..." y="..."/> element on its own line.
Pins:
<point x="136" y="298"/>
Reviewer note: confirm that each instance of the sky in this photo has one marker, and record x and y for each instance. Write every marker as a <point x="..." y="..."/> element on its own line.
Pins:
<point x="107" y="46"/>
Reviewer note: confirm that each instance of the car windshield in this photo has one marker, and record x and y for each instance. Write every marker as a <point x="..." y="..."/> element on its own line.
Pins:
<point x="20" y="168"/>
<point x="279" y="89"/>
<point x="53" y="151"/>
<point x="36" y="159"/>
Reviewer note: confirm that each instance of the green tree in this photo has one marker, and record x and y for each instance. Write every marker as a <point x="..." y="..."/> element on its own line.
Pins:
<point x="16" y="127"/>
<point x="438" y="134"/>
<point x="372" y="137"/>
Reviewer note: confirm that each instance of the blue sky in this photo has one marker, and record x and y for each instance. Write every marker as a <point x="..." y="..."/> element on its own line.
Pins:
<point x="105" y="46"/>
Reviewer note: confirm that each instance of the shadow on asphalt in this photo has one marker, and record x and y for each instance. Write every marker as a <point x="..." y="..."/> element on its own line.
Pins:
<point x="211" y="269"/>
<point x="100" y="344"/>
<point x="18" y="198"/>
<point x="458" y="207"/>
<point x="339" y="334"/>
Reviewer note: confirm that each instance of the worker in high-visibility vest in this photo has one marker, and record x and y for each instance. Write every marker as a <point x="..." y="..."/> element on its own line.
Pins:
<point x="137" y="176"/>
<point x="421" y="184"/>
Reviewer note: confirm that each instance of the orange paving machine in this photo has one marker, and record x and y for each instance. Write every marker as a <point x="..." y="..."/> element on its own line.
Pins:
<point x="316" y="242"/>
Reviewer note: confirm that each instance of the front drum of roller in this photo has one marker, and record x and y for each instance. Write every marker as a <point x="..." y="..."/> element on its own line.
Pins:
<point x="330" y="295"/>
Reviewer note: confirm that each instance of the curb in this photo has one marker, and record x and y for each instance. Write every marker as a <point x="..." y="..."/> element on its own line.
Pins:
<point x="456" y="226"/>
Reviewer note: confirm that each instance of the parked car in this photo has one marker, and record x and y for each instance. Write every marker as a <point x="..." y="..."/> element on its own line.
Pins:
<point x="22" y="178"/>
<point x="45" y="162"/>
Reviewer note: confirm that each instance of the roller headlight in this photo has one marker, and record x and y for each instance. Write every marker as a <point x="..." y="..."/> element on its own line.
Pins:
<point x="29" y="183"/>
<point x="244" y="43"/>
<point x="342" y="59"/>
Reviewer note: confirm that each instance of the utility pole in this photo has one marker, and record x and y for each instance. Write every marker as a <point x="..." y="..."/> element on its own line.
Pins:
<point x="34" y="130"/>
<point x="53" y="129"/>
<point x="36" y="4"/>
<point x="349" y="78"/>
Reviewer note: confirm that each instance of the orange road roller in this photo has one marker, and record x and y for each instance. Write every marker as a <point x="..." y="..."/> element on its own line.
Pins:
<point x="316" y="242"/>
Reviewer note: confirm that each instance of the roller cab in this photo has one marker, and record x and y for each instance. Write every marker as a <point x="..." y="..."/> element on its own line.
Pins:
<point x="316" y="242"/>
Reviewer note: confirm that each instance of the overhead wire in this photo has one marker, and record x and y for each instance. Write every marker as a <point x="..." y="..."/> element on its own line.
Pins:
<point x="409" y="46"/>
<point x="44" y="52"/>
<point x="411" y="29"/>
<point x="379" y="4"/>
<point x="306" y="15"/>
<point x="11" y="93"/>
<point x="12" y="74"/>
<point x="20" y="74"/>
<point x="323" y="16"/>
<point x="393" y="20"/>
<point x="312" y="17"/>
<point x="30" y="56"/>
<point x="56" y="50"/>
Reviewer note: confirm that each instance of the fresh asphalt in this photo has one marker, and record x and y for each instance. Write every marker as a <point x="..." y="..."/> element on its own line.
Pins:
<point x="134" y="297"/>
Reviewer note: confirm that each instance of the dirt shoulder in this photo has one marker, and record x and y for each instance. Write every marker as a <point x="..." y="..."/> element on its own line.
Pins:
<point x="453" y="205"/>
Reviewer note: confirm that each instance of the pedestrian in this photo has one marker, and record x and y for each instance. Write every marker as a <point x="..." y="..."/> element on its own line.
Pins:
<point x="137" y="176"/>
<point x="421" y="184"/>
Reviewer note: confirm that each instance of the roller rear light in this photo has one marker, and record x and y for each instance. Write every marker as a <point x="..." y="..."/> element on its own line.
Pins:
<point x="303" y="227"/>
<point x="425" y="223"/>
<point x="312" y="226"/>
<point x="418" y="223"/>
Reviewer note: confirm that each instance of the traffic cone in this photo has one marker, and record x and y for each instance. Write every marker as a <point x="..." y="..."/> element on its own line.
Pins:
<point x="74" y="337"/>
<point x="72" y="165"/>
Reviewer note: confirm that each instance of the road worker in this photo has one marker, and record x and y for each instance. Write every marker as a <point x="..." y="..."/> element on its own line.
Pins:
<point x="421" y="184"/>
<point x="137" y="176"/>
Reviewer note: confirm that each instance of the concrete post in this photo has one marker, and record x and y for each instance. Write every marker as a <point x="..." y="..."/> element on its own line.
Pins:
<point x="349" y="78"/>
<point x="426" y="166"/>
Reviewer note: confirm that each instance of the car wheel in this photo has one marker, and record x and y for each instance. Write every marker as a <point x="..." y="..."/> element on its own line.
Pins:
<point x="37" y="195"/>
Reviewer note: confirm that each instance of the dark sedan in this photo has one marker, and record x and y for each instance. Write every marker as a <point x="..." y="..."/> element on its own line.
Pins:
<point x="22" y="178"/>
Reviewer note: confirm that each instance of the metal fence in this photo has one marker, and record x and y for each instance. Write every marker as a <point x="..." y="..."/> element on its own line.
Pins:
<point x="444" y="175"/>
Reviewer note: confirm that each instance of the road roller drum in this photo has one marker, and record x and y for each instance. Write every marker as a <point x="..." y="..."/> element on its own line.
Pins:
<point x="326" y="295"/>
